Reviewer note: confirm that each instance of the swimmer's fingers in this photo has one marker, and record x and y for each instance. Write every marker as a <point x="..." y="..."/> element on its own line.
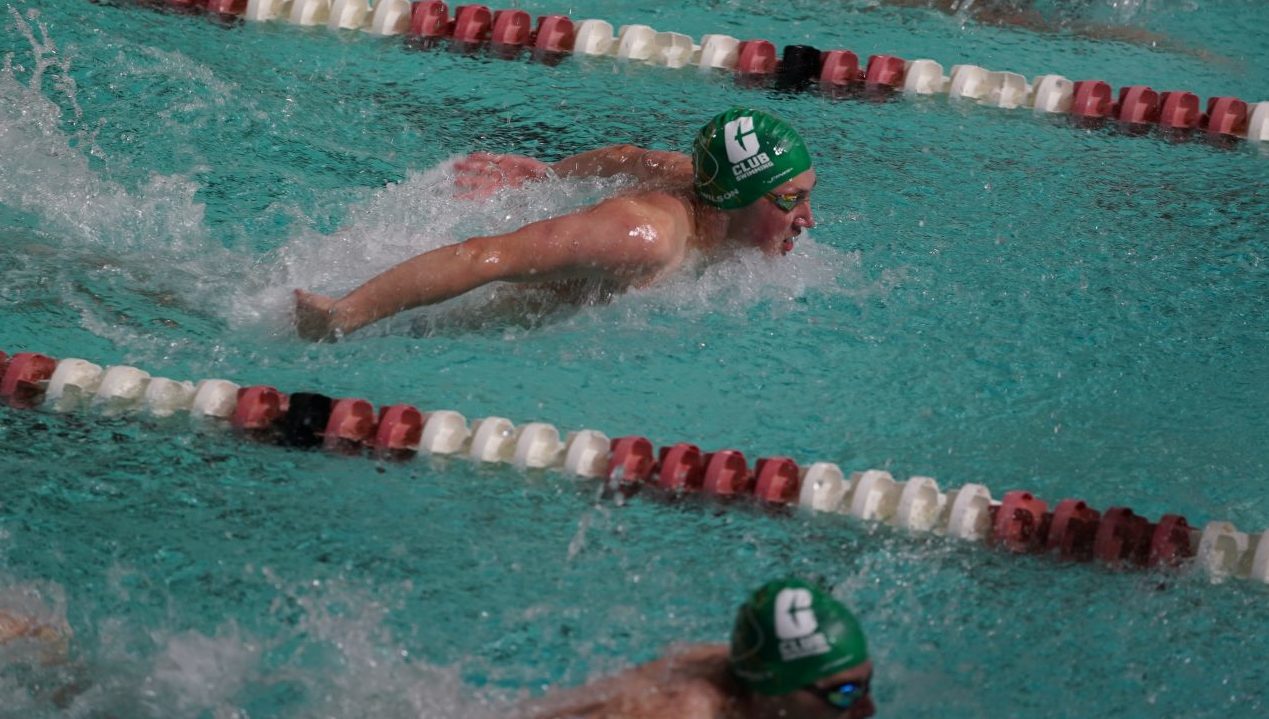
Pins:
<point x="478" y="175"/>
<point x="476" y="162"/>
<point x="521" y="168"/>
<point x="470" y="180"/>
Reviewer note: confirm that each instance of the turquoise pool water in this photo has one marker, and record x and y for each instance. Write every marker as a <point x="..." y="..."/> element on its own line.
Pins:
<point x="990" y="297"/>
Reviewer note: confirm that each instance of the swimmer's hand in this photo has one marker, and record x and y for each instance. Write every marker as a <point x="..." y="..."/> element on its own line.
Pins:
<point x="481" y="173"/>
<point x="52" y="640"/>
<point x="314" y="316"/>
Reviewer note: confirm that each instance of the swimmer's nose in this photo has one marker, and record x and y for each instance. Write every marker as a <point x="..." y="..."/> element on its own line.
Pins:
<point x="805" y="219"/>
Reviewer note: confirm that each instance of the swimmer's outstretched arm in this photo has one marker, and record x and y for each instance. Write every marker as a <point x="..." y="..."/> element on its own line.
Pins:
<point x="618" y="239"/>
<point x="643" y="164"/>
<point x="481" y="173"/>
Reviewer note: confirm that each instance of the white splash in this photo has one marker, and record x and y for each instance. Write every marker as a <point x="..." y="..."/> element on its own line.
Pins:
<point x="47" y="143"/>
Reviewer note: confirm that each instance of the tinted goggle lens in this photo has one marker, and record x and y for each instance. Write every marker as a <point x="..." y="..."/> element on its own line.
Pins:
<point x="788" y="200"/>
<point x="844" y="695"/>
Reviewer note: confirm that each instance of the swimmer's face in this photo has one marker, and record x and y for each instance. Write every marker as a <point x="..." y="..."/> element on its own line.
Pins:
<point x="808" y="703"/>
<point x="768" y="225"/>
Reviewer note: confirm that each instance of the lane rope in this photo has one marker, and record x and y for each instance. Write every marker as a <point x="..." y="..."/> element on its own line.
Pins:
<point x="1018" y="523"/>
<point x="1135" y="109"/>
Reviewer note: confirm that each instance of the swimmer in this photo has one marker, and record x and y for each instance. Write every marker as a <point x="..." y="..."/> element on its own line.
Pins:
<point x="795" y="652"/>
<point x="747" y="185"/>
<point x="1023" y="15"/>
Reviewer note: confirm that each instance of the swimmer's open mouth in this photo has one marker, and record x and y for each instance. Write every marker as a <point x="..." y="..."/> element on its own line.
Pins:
<point x="787" y="246"/>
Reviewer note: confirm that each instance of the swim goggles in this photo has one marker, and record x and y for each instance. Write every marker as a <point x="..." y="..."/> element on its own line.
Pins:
<point x="841" y="696"/>
<point x="788" y="200"/>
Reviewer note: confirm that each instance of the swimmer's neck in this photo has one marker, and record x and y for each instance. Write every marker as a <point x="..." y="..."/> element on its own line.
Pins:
<point x="710" y="227"/>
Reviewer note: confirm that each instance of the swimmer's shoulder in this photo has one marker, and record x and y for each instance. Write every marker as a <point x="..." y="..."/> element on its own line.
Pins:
<point x="669" y="211"/>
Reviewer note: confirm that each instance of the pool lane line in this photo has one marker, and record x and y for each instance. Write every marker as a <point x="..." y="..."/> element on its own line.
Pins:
<point x="1018" y="523"/>
<point x="1136" y="109"/>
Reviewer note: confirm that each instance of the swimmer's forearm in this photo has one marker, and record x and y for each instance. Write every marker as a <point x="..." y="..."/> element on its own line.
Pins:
<point x="644" y="165"/>
<point x="601" y="162"/>
<point x="425" y="279"/>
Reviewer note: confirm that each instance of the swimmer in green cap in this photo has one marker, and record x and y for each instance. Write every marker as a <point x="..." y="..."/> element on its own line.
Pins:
<point x="795" y="652"/>
<point x="747" y="184"/>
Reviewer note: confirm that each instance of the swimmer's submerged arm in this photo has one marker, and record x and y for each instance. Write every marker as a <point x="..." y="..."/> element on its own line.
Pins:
<point x="616" y="239"/>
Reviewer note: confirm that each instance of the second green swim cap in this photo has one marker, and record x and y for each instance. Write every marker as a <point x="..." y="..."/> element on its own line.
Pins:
<point x="791" y="634"/>
<point x="743" y="154"/>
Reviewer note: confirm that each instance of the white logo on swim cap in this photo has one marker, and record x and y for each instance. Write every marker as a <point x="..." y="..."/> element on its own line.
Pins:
<point x="740" y="140"/>
<point x="796" y="626"/>
<point x="793" y="615"/>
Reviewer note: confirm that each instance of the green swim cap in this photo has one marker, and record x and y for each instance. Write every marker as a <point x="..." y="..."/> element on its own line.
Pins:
<point x="743" y="154"/>
<point x="791" y="634"/>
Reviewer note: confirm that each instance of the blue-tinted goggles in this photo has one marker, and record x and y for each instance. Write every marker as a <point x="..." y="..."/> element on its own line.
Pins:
<point x="841" y="696"/>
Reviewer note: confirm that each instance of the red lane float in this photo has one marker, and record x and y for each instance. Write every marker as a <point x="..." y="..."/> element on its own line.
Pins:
<point x="682" y="468"/>
<point x="555" y="34"/>
<point x="227" y="7"/>
<point x="1226" y="116"/>
<point x="24" y="379"/>
<point x="1179" y="110"/>
<point x="1072" y="530"/>
<point x="351" y="425"/>
<point x="839" y="68"/>
<point x="885" y="71"/>
<point x="1138" y="105"/>
<point x="400" y="429"/>
<point x="511" y="28"/>
<point x="258" y="407"/>
<point x="1122" y="538"/>
<point x="1092" y="100"/>
<point x="778" y="480"/>
<point x="727" y="474"/>
<point x="631" y="460"/>
<point x="1018" y="522"/>
<point x="430" y="19"/>
<point x="472" y="24"/>
<point x="1170" y="544"/>
<point x="756" y="57"/>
